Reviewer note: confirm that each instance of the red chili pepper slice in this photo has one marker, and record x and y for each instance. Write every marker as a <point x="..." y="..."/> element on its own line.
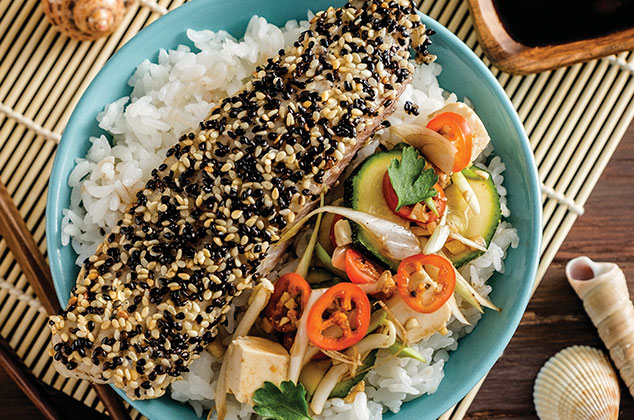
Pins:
<point x="457" y="130"/>
<point x="287" y="303"/>
<point x="419" y="294"/>
<point x="339" y="318"/>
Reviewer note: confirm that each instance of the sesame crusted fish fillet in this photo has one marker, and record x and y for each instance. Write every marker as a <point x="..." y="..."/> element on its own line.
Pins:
<point x="207" y="224"/>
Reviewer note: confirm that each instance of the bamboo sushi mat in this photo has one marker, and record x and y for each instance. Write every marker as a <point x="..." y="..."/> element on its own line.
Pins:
<point x="575" y="118"/>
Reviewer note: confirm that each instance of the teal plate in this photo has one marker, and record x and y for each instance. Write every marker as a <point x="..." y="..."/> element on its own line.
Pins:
<point x="463" y="73"/>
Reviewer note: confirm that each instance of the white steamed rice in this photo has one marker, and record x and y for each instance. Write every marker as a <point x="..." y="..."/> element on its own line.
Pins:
<point x="172" y="96"/>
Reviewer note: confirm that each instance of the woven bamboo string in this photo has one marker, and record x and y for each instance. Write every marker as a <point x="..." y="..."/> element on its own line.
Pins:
<point x="621" y="62"/>
<point x="20" y="24"/>
<point x="153" y="6"/>
<point x="30" y="124"/>
<point x="28" y="298"/>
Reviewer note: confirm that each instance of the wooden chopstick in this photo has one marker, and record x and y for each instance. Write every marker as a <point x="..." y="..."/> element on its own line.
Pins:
<point x="36" y="270"/>
<point x="25" y="250"/>
<point x="27" y="383"/>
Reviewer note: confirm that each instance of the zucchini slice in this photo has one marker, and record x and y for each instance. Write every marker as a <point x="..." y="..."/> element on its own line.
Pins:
<point x="363" y="191"/>
<point x="460" y="218"/>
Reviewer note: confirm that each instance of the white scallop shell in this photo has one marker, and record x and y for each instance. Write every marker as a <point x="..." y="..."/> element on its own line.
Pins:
<point x="578" y="383"/>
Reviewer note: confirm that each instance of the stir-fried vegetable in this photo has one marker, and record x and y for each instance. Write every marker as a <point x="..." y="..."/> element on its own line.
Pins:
<point x="418" y="289"/>
<point x="287" y="304"/>
<point x="377" y="319"/>
<point x="337" y="323"/>
<point x="427" y="211"/>
<point x="300" y="345"/>
<point x="324" y="258"/>
<point x="438" y="237"/>
<point x="339" y="231"/>
<point x="436" y="148"/>
<point x="397" y="241"/>
<point x="379" y="340"/>
<point x="455" y="310"/>
<point x="339" y="318"/>
<point x="457" y="130"/>
<point x="409" y="179"/>
<point x="401" y="350"/>
<point x="359" y="269"/>
<point x="467" y="192"/>
<point x="304" y="262"/>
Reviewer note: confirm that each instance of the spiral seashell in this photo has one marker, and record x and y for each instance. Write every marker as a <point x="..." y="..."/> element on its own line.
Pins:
<point x="85" y="19"/>
<point x="603" y="289"/>
<point x="577" y="383"/>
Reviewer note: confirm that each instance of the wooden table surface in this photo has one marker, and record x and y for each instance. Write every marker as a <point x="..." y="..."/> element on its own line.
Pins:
<point x="555" y="318"/>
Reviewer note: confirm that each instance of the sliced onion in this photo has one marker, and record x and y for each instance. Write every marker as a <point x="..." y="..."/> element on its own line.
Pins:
<point x="343" y="233"/>
<point x="455" y="310"/>
<point x="259" y="299"/>
<point x="300" y="345"/>
<point x="311" y="351"/>
<point x="437" y="240"/>
<point x="397" y="242"/>
<point x="467" y="192"/>
<point x="438" y="237"/>
<point x="468" y="242"/>
<point x="326" y="386"/>
<point x="339" y="257"/>
<point x="469" y="294"/>
<point x="468" y="290"/>
<point x="378" y="340"/>
<point x="434" y="146"/>
<point x="336" y="372"/>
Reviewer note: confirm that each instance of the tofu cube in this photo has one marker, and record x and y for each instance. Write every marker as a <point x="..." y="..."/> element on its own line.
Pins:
<point x="418" y="325"/>
<point x="252" y="361"/>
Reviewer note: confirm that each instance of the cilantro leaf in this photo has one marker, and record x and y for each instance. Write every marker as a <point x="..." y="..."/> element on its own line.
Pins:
<point x="411" y="183"/>
<point x="285" y="403"/>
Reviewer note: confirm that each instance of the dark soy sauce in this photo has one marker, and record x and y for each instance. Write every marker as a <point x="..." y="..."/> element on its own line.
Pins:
<point x="547" y="22"/>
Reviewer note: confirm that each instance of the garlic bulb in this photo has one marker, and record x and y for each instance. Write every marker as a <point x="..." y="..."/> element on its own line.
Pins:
<point x="606" y="299"/>
<point x="86" y="19"/>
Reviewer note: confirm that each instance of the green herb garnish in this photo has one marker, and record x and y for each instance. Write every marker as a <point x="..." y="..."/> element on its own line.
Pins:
<point x="288" y="402"/>
<point x="411" y="183"/>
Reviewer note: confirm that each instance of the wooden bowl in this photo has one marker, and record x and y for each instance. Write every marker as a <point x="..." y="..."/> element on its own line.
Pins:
<point x="511" y="56"/>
